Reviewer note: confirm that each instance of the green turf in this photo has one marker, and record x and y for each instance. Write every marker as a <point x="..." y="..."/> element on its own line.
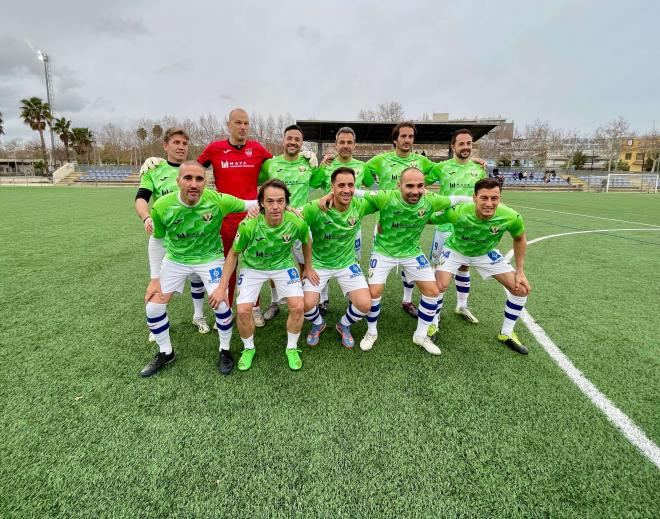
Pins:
<point x="480" y="431"/>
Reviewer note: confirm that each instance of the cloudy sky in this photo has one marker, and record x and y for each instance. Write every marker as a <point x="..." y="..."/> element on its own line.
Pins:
<point x="577" y="64"/>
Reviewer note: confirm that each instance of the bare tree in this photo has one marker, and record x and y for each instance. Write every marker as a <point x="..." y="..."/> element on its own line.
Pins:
<point x="610" y="136"/>
<point x="651" y="143"/>
<point x="387" y="112"/>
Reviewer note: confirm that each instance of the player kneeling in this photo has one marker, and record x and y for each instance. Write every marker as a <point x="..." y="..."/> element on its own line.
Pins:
<point x="478" y="228"/>
<point x="185" y="231"/>
<point x="265" y="242"/>
<point x="334" y="232"/>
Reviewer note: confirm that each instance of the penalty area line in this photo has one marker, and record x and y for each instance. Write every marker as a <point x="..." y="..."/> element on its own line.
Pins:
<point x="620" y="420"/>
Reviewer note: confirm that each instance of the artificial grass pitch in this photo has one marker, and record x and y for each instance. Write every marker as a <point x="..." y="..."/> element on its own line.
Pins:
<point x="479" y="431"/>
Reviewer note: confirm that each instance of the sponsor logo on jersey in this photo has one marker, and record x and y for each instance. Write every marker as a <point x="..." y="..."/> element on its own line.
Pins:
<point x="494" y="230"/>
<point x="163" y="179"/>
<point x="352" y="221"/>
<point x="397" y="212"/>
<point x="325" y="222"/>
<point x="165" y="192"/>
<point x="183" y="235"/>
<point x="207" y="217"/>
<point x="234" y="164"/>
<point x="286" y="238"/>
<point x="225" y="151"/>
<point x="260" y="238"/>
<point x="279" y="170"/>
<point x="177" y="221"/>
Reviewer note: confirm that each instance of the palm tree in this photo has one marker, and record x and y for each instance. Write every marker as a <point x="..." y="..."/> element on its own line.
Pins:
<point x="2" y="126"/>
<point x="157" y="131"/>
<point x="36" y="114"/>
<point x="82" y="140"/>
<point x="63" y="129"/>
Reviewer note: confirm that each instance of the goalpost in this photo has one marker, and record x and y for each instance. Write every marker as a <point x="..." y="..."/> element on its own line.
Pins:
<point x="632" y="182"/>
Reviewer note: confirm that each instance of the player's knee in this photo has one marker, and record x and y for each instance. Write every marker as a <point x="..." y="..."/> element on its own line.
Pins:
<point x="243" y="312"/>
<point x="431" y="291"/>
<point x="296" y="307"/>
<point x="363" y="305"/>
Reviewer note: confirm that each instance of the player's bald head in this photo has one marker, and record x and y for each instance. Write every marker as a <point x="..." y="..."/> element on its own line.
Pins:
<point x="237" y="112"/>
<point x="411" y="174"/>
<point x="191" y="166"/>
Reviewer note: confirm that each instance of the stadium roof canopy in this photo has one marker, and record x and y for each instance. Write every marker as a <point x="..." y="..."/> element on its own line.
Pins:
<point x="372" y="132"/>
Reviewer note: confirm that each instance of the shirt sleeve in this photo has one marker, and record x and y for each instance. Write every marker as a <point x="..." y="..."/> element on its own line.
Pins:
<point x="367" y="176"/>
<point x="230" y="204"/>
<point x="448" y="216"/>
<point x="263" y="172"/>
<point x="377" y="199"/>
<point x="373" y="166"/>
<point x="517" y="227"/>
<point x="206" y="158"/>
<point x="318" y="178"/>
<point x="159" y="226"/>
<point x="426" y="164"/>
<point x="439" y="202"/>
<point x="366" y="207"/>
<point x="435" y="175"/>
<point x="243" y="237"/>
<point x="310" y="211"/>
<point x="303" y="230"/>
<point x="147" y="182"/>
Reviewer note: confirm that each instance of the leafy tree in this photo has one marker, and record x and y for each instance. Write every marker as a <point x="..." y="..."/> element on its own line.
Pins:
<point x="63" y="128"/>
<point x="578" y="159"/>
<point x="648" y="164"/>
<point x="157" y="132"/>
<point x="36" y="114"/>
<point x="622" y="165"/>
<point x="82" y="141"/>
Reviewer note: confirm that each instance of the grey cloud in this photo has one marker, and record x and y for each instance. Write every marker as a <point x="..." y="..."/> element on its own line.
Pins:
<point x="309" y="34"/>
<point x="16" y="58"/>
<point x="70" y="102"/>
<point x="226" y="97"/>
<point x="177" y="67"/>
<point x="121" y="27"/>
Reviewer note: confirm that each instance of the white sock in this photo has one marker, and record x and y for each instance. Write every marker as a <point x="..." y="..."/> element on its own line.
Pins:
<point x="436" y="318"/>
<point x="159" y="325"/>
<point x="292" y="340"/>
<point x="223" y="318"/>
<point x="407" y="289"/>
<point x="426" y="311"/>
<point x="314" y="316"/>
<point x="352" y="315"/>
<point x="462" y="281"/>
<point x="197" y="293"/>
<point x="248" y="343"/>
<point x="372" y="316"/>
<point x="513" y="307"/>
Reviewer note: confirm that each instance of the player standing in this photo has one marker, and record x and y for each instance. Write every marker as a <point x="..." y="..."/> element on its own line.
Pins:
<point x="298" y="175"/>
<point x="334" y="233"/>
<point x="387" y="167"/>
<point x="265" y="242"/>
<point x="456" y="176"/>
<point x="403" y="215"/>
<point x="185" y="231"/>
<point x="478" y="227"/>
<point x="158" y="182"/>
<point x="343" y="157"/>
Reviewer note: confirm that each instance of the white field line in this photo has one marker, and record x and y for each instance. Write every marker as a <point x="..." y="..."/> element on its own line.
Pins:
<point x="590" y="216"/>
<point x="633" y="433"/>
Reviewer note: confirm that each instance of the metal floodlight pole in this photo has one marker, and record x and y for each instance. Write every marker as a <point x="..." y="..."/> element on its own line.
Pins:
<point x="43" y="57"/>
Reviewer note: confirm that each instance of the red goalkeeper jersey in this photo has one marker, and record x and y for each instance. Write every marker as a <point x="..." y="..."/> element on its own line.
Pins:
<point x="235" y="170"/>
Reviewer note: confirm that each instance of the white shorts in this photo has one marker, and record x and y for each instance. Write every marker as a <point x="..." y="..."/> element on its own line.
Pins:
<point x="487" y="265"/>
<point x="416" y="268"/>
<point x="349" y="278"/>
<point x="439" y="239"/>
<point x="173" y="275"/>
<point x="249" y="282"/>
